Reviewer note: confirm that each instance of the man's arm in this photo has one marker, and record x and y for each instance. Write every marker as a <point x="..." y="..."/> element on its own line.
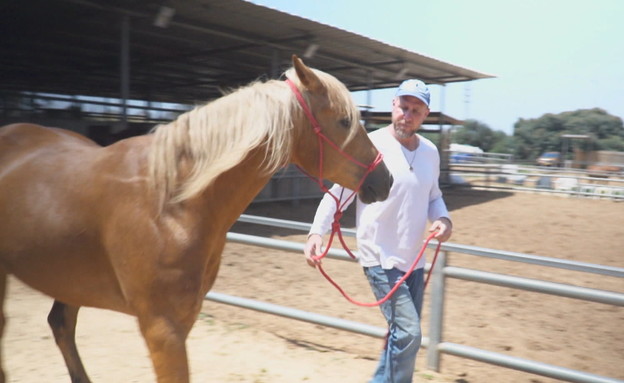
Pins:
<point x="322" y="223"/>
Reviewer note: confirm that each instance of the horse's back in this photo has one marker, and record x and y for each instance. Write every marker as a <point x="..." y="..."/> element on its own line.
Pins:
<point x="16" y="137"/>
<point x="32" y="153"/>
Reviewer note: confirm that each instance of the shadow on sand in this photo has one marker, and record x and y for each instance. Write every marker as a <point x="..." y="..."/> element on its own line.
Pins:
<point x="459" y="197"/>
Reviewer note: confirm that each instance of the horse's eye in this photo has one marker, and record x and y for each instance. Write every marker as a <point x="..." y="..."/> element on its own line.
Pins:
<point x="346" y="122"/>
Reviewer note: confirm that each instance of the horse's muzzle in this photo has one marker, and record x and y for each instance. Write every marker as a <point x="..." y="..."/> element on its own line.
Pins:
<point x="377" y="184"/>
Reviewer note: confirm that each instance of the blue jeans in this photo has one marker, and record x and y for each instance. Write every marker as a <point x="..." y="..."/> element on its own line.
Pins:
<point x="402" y="312"/>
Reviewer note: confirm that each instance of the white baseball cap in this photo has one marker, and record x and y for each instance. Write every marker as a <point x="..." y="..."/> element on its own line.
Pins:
<point x="414" y="88"/>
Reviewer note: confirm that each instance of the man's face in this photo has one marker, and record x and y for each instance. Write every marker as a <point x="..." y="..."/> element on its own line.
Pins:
<point x="408" y="113"/>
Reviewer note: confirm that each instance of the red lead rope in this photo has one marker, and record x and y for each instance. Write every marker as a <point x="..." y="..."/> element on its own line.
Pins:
<point x="396" y="286"/>
<point x="336" y="223"/>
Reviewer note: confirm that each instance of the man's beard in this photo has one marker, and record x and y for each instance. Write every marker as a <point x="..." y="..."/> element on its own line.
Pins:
<point x="402" y="132"/>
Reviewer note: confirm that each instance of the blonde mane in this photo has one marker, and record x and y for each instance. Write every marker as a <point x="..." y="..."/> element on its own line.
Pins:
<point x="215" y="137"/>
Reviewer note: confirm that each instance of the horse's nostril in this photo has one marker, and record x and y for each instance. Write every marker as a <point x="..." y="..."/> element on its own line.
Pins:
<point x="368" y="195"/>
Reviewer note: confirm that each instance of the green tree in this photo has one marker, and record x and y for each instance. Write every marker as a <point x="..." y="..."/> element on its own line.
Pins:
<point x="478" y="134"/>
<point x="535" y="136"/>
<point x="503" y="144"/>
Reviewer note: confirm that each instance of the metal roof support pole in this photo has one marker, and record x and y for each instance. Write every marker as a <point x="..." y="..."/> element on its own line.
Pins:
<point x="275" y="63"/>
<point x="445" y="141"/>
<point x="441" y="119"/>
<point x="369" y="98"/>
<point x="125" y="68"/>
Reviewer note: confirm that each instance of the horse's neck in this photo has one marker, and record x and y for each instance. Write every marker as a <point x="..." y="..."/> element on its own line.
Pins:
<point x="230" y="194"/>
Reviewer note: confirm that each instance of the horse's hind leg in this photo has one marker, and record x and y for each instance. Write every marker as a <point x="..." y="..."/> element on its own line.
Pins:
<point x="3" y="285"/>
<point x="62" y="320"/>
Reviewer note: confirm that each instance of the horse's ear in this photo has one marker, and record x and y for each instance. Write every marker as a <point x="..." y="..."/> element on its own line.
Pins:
<point x="307" y="77"/>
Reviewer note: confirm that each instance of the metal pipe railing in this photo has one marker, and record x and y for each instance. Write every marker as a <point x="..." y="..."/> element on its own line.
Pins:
<point x="558" y="263"/>
<point x="522" y="364"/>
<point x="301" y="315"/>
<point x="434" y="343"/>
<point x="526" y="284"/>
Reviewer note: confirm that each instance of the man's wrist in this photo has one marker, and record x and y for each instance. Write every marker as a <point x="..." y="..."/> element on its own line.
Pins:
<point x="448" y="221"/>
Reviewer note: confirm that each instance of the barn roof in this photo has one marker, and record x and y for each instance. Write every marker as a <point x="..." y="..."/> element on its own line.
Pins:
<point x="74" y="47"/>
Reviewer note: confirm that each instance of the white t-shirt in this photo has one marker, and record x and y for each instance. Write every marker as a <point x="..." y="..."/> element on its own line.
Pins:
<point x="390" y="233"/>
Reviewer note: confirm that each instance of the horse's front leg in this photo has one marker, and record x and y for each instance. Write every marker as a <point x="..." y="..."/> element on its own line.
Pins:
<point x="62" y="320"/>
<point x="166" y="341"/>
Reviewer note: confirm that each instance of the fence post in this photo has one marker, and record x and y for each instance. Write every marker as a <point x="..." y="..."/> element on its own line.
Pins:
<point x="436" y="312"/>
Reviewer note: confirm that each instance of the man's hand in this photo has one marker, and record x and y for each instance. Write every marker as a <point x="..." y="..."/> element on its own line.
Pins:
<point x="313" y="248"/>
<point x="444" y="227"/>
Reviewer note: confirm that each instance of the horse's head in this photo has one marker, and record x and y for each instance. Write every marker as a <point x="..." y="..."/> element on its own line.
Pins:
<point x="341" y="151"/>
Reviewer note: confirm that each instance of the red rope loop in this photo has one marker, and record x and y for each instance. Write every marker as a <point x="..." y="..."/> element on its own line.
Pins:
<point x="396" y="285"/>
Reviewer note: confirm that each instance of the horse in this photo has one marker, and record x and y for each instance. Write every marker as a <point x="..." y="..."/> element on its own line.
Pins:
<point x="139" y="226"/>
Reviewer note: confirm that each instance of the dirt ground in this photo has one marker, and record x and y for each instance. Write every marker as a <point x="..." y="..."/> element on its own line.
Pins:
<point x="229" y="344"/>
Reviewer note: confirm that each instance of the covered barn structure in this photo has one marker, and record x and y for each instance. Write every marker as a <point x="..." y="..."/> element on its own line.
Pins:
<point x="114" y="68"/>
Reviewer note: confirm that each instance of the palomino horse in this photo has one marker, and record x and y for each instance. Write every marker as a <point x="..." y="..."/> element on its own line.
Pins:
<point x="139" y="226"/>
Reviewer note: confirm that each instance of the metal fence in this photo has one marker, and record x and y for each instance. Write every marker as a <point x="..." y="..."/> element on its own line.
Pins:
<point x="434" y="343"/>
<point x="566" y="181"/>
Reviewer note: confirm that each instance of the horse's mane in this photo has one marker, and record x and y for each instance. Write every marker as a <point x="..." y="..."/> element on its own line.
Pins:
<point x="215" y="137"/>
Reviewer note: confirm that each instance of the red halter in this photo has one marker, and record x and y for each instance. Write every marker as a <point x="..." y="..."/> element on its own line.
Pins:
<point x="338" y="214"/>
<point x="322" y="138"/>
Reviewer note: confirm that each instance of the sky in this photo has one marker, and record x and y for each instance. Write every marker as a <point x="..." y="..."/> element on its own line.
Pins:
<point x="548" y="56"/>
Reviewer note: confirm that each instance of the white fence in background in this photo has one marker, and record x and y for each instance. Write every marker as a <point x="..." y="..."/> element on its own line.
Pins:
<point x="498" y="174"/>
<point x="573" y="182"/>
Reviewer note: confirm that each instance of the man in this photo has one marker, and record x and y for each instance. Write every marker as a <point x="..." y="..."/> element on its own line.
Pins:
<point x="390" y="233"/>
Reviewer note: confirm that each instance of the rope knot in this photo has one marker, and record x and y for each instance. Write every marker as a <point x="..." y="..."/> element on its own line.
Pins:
<point x="335" y="226"/>
<point x="337" y="215"/>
